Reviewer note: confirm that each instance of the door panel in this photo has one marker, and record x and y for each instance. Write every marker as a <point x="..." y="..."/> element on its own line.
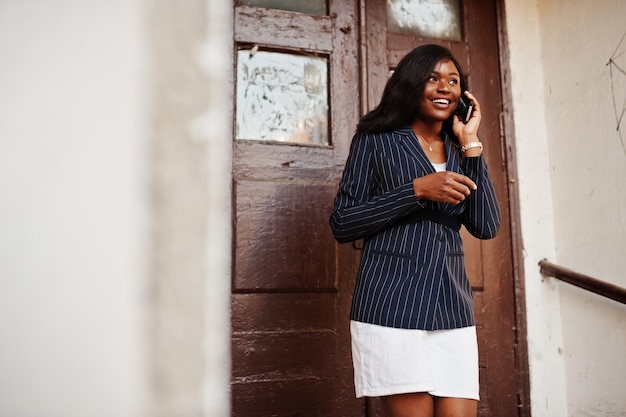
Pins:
<point x="283" y="29"/>
<point x="489" y="263"/>
<point x="302" y="255"/>
<point x="292" y="283"/>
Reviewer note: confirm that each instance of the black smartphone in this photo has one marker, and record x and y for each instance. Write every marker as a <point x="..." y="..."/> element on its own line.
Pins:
<point x="464" y="109"/>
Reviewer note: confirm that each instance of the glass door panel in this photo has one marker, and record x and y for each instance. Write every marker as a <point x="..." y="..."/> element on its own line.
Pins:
<point x="439" y="19"/>
<point x="305" y="6"/>
<point x="282" y="97"/>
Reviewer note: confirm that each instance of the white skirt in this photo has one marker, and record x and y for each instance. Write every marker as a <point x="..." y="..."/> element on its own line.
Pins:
<point x="390" y="361"/>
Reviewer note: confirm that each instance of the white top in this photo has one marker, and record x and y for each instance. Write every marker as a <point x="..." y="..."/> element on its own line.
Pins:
<point x="439" y="167"/>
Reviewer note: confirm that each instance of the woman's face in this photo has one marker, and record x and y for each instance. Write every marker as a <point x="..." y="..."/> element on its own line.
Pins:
<point x="441" y="92"/>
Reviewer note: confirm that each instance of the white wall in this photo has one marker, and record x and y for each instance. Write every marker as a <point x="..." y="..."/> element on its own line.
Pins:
<point x="73" y="200"/>
<point x="588" y="167"/>
<point x="547" y="367"/>
<point x="571" y="163"/>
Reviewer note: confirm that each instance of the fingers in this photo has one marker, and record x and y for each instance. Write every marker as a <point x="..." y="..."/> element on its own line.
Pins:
<point x="446" y="187"/>
<point x="468" y="182"/>
<point x="470" y="128"/>
<point x="463" y="130"/>
<point x="459" y="194"/>
<point x="462" y="180"/>
<point x="460" y="187"/>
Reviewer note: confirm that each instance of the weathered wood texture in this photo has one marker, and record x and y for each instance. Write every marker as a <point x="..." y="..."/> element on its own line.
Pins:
<point x="292" y="284"/>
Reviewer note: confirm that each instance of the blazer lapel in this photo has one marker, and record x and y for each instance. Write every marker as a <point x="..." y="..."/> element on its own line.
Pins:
<point x="452" y="159"/>
<point x="411" y="144"/>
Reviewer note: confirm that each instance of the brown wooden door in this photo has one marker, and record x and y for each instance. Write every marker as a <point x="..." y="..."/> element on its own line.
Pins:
<point x="292" y="283"/>
<point x="489" y="263"/>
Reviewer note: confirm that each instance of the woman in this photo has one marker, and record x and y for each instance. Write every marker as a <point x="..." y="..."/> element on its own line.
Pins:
<point x="414" y="174"/>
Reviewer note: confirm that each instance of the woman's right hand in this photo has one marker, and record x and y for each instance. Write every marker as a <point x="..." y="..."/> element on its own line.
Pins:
<point x="445" y="186"/>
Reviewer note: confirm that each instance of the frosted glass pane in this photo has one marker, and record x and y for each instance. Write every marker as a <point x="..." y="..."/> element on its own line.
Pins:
<point x="302" y="6"/>
<point x="440" y="19"/>
<point x="282" y="97"/>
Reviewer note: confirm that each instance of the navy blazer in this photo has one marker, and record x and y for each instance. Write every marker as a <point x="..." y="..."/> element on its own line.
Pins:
<point x="412" y="272"/>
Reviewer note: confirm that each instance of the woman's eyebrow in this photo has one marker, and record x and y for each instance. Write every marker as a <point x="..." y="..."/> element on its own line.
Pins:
<point x="438" y="73"/>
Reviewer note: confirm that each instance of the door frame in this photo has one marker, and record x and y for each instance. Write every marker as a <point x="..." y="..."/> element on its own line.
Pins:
<point x="510" y="156"/>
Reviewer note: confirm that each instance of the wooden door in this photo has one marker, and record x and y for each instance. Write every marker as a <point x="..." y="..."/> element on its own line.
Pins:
<point x="489" y="263"/>
<point x="297" y="103"/>
<point x="292" y="283"/>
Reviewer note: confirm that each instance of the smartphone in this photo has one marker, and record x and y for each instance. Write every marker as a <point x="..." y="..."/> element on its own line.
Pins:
<point x="464" y="109"/>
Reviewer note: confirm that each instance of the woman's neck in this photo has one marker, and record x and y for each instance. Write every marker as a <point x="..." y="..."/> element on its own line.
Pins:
<point x="429" y="130"/>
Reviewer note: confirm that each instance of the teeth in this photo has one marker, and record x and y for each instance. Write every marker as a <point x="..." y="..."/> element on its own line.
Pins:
<point x="441" y="101"/>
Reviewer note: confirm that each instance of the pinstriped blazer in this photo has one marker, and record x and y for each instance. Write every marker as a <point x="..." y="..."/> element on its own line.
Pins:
<point x="412" y="273"/>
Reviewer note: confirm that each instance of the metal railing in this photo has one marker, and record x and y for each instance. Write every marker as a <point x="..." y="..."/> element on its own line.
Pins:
<point x="594" y="285"/>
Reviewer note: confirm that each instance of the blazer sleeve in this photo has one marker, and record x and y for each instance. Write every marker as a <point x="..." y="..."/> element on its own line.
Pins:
<point x="360" y="210"/>
<point x="482" y="216"/>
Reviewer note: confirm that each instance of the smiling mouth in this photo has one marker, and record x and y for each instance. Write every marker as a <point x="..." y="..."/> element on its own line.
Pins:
<point x="441" y="101"/>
